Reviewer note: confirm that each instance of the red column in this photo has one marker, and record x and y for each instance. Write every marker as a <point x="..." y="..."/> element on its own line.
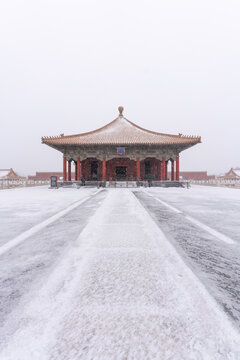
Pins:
<point x="69" y="171"/>
<point x="172" y="170"/>
<point x="138" y="168"/>
<point x="166" y="170"/>
<point x="79" y="175"/>
<point x="64" y="168"/>
<point x="82" y="169"/>
<point x="75" y="170"/>
<point x="163" y="168"/>
<point x="177" y="168"/>
<point x="104" y="169"/>
<point x="159" y="170"/>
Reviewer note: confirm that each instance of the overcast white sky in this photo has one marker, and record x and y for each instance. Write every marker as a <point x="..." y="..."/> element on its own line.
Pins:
<point x="65" y="67"/>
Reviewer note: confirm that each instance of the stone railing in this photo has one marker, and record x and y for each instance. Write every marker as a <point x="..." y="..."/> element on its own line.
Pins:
<point x="218" y="182"/>
<point x="14" y="183"/>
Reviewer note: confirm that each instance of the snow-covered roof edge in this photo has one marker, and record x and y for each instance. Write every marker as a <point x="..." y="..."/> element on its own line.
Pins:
<point x="121" y="130"/>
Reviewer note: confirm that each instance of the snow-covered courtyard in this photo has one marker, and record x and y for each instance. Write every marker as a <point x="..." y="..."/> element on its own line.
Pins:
<point x="150" y="273"/>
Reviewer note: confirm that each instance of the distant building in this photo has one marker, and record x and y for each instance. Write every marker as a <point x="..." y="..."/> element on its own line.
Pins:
<point x="232" y="174"/>
<point x="9" y="178"/>
<point x="10" y="174"/>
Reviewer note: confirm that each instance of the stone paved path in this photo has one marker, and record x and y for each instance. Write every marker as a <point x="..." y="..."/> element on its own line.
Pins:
<point x="215" y="262"/>
<point x="122" y="292"/>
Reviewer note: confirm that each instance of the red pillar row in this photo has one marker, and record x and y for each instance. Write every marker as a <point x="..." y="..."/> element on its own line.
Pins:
<point x="79" y="169"/>
<point x="68" y="175"/>
<point x="64" y="168"/>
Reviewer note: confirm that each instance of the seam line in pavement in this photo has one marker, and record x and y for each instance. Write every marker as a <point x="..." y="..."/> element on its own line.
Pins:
<point x="165" y="204"/>
<point x="207" y="228"/>
<point x="33" y="230"/>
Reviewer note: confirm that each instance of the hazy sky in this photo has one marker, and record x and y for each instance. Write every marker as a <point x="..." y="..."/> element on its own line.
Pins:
<point x="65" y="67"/>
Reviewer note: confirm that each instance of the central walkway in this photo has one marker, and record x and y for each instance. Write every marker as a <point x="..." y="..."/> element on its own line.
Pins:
<point x="122" y="292"/>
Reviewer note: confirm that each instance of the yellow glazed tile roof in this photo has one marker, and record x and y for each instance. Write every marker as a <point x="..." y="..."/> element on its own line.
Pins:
<point x="121" y="132"/>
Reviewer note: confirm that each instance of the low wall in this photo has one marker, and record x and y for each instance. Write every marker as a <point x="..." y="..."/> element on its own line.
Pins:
<point x="217" y="182"/>
<point x="9" y="184"/>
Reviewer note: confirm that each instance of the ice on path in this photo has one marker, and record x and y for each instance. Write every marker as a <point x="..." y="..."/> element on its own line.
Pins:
<point x="122" y="292"/>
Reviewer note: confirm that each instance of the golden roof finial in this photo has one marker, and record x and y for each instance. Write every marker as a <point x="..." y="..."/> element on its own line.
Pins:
<point x="120" y="109"/>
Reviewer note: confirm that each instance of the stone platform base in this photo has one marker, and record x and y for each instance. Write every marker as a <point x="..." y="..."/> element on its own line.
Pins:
<point x="125" y="184"/>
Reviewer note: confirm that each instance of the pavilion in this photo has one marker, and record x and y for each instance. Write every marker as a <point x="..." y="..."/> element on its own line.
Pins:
<point x="121" y="150"/>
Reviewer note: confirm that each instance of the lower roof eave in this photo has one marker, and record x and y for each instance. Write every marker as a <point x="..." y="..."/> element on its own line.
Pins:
<point x="59" y="146"/>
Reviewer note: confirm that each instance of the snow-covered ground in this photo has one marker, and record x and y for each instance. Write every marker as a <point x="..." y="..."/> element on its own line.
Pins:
<point x="204" y="243"/>
<point x="217" y="207"/>
<point x="21" y="208"/>
<point x="104" y="282"/>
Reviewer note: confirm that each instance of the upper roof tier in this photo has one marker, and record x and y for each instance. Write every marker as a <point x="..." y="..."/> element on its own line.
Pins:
<point x="121" y="132"/>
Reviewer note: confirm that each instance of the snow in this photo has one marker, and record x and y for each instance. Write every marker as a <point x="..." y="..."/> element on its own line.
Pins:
<point x="211" y="231"/>
<point x="217" y="207"/>
<point x="26" y="234"/>
<point x="23" y="208"/>
<point x="166" y="204"/>
<point x="215" y="262"/>
<point x="119" y="125"/>
<point x="28" y="265"/>
<point x="121" y="291"/>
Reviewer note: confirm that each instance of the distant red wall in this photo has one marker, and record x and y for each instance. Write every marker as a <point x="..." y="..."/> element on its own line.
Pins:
<point x="46" y="175"/>
<point x="193" y="175"/>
